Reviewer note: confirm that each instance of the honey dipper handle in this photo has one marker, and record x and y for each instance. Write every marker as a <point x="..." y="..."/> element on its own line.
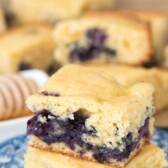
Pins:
<point x="15" y="88"/>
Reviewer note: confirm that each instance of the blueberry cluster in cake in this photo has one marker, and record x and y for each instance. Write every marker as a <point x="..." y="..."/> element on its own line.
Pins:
<point x="51" y="129"/>
<point x="96" y="46"/>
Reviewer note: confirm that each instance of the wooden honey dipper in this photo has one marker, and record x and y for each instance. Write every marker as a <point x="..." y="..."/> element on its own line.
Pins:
<point x="14" y="89"/>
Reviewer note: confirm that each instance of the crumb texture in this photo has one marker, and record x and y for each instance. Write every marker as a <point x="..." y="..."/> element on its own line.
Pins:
<point x="150" y="155"/>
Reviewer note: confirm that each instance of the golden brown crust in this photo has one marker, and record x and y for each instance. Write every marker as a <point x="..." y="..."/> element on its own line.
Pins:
<point x="37" y="143"/>
<point x="45" y="147"/>
<point x="149" y="155"/>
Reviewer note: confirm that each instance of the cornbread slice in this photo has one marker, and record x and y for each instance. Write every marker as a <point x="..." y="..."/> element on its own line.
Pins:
<point x="26" y="47"/>
<point x="128" y="75"/>
<point x="85" y="113"/>
<point x="21" y="11"/>
<point x="37" y="158"/>
<point x="2" y="21"/>
<point x="158" y="22"/>
<point x="107" y="40"/>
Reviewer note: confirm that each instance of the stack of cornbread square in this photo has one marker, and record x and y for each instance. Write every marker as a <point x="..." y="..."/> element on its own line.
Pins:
<point x="86" y="117"/>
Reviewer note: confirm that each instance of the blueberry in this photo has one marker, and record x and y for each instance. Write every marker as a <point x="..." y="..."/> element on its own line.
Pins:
<point x="109" y="51"/>
<point x="71" y="130"/>
<point x="93" y="131"/>
<point x="38" y="128"/>
<point x="96" y="36"/>
<point x="95" y="47"/>
<point x="90" y="52"/>
<point x="81" y="53"/>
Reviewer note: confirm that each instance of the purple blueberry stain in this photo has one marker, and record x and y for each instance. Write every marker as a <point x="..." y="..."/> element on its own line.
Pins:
<point x="108" y="51"/>
<point x="51" y="129"/>
<point x="45" y="93"/>
<point x="143" y="132"/>
<point x="84" y="53"/>
<point x="71" y="130"/>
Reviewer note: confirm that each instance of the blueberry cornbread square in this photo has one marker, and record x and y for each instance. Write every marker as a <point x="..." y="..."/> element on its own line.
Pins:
<point x="21" y="11"/>
<point x="158" y="22"/>
<point x="102" y="40"/>
<point x="26" y="47"/>
<point x="86" y="113"/>
<point x="37" y="158"/>
<point x="128" y="75"/>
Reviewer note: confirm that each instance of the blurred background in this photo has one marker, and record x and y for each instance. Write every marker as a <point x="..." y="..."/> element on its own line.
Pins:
<point x="36" y="40"/>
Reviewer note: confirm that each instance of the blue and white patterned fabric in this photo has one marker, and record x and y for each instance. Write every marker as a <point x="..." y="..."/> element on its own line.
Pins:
<point x="12" y="151"/>
<point x="161" y="139"/>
